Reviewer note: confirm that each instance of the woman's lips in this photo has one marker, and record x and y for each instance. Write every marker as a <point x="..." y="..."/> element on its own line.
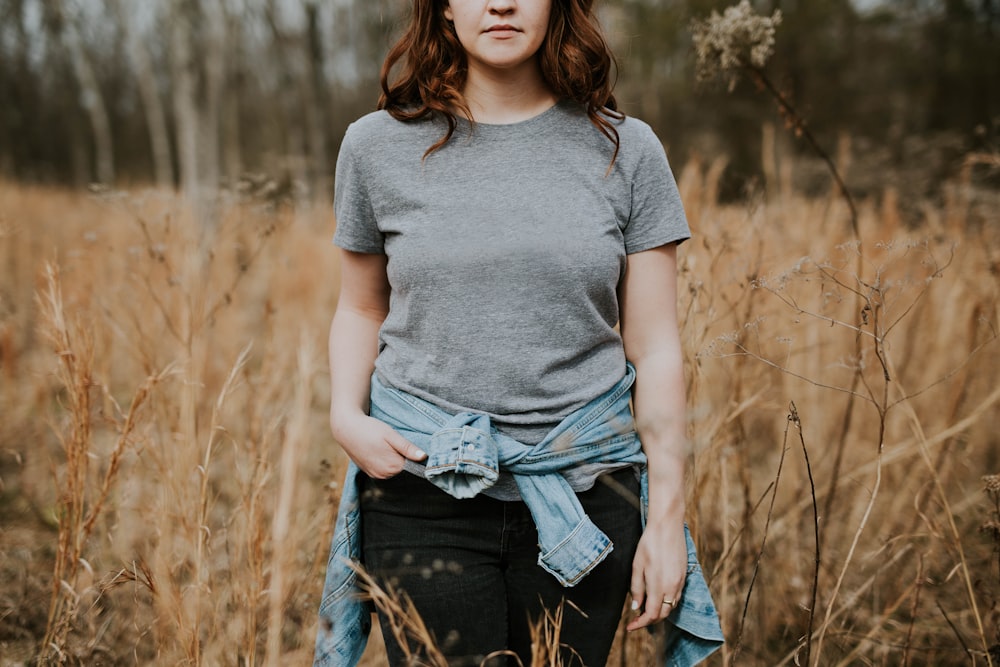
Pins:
<point x="502" y="30"/>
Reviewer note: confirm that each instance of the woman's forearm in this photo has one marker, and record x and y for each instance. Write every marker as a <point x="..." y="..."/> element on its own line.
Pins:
<point x="353" y="346"/>
<point x="659" y="404"/>
<point x="364" y="302"/>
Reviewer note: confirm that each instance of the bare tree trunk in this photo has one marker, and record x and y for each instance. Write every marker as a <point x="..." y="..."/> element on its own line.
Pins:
<point x="297" y="65"/>
<point x="197" y="58"/>
<point x="313" y="90"/>
<point x="214" y="64"/>
<point x="230" y="130"/>
<point x="156" y="119"/>
<point x="12" y="13"/>
<point x="93" y="103"/>
<point x="184" y="71"/>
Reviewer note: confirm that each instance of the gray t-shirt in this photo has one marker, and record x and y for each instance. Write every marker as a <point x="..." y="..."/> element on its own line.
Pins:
<point x="505" y="250"/>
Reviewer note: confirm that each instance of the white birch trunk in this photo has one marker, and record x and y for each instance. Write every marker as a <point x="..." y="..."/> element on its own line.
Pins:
<point x="302" y="114"/>
<point x="312" y="93"/>
<point x="214" y="72"/>
<point x="230" y="130"/>
<point x="90" y="92"/>
<point x="184" y="72"/>
<point x="156" y="119"/>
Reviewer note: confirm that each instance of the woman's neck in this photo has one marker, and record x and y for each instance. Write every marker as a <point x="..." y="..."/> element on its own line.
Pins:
<point x="502" y="97"/>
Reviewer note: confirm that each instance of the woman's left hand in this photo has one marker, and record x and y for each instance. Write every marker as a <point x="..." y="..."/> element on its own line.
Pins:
<point x="658" y="572"/>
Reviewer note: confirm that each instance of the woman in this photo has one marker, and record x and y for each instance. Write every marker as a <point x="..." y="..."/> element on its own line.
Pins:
<point x="498" y="218"/>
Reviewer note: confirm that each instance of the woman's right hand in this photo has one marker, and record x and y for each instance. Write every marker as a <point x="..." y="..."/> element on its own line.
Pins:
<point x="374" y="446"/>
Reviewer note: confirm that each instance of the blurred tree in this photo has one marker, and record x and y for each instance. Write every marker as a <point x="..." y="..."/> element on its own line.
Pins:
<point x="270" y="85"/>
<point x="145" y="78"/>
<point x="64" y="28"/>
<point x="300" y="54"/>
<point x="184" y="74"/>
<point x="18" y="85"/>
<point x="197" y="58"/>
<point x="963" y="62"/>
<point x="234" y="82"/>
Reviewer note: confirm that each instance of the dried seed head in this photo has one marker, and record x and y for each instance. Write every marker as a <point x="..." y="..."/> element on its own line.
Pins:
<point x="738" y="37"/>
<point x="992" y="483"/>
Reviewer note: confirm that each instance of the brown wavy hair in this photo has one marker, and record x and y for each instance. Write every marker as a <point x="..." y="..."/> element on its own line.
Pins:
<point x="575" y="61"/>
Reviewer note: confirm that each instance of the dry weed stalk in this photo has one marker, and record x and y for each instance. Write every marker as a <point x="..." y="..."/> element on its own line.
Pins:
<point x="295" y="441"/>
<point x="740" y="41"/>
<point x="420" y="648"/>
<point x="547" y="650"/>
<point x="883" y="311"/>
<point x="79" y="505"/>
<point x="967" y="576"/>
<point x="792" y="420"/>
<point x="188" y="277"/>
<point x="760" y="553"/>
<point x="991" y="527"/>
<point x="885" y="613"/>
<point x="408" y="630"/>
<point x="991" y="485"/>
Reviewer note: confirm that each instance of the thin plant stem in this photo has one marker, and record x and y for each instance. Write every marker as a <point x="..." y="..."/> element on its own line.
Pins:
<point x="760" y="551"/>
<point x="793" y="417"/>
<point x="802" y="129"/>
<point x="958" y="635"/>
<point x="918" y="586"/>
<point x="949" y="513"/>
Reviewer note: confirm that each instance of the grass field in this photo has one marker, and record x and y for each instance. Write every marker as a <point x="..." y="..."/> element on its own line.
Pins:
<point x="168" y="482"/>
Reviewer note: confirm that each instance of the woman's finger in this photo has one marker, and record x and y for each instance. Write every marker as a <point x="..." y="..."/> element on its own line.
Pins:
<point x="405" y="447"/>
<point x="637" y="587"/>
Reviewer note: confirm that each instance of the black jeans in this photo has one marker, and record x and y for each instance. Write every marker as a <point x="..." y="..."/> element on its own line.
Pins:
<point x="470" y="568"/>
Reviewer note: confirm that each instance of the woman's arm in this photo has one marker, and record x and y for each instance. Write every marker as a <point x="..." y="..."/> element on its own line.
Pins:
<point x="648" y="303"/>
<point x="361" y="308"/>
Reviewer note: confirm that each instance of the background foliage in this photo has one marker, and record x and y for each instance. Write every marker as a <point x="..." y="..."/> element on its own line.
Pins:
<point x="167" y="477"/>
<point x="270" y="85"/>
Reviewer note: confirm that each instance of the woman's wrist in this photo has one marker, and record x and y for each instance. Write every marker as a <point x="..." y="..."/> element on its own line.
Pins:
<point x="344" y="420"/>
<point x="668" y="505"/>
<point x="666" y="487"/>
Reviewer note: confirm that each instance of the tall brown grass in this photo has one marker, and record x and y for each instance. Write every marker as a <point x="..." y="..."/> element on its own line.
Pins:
<point x="168" y="483"/>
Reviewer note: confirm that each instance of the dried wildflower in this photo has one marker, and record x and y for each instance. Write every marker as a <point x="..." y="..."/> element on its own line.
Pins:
<point x="735" y="39"/>
<point x="992" y="484"/>
<point x="991" y="526"/>
<point x="741" y="41"/>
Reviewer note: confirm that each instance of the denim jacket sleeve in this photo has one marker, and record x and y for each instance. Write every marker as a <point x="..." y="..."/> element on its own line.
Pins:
<point x="694" y="632"/>
<point x="694" y="629"/>
<point x="344" y="618"/>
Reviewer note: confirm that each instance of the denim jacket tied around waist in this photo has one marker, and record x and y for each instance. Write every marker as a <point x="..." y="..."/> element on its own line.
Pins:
<point x="465" y="455"/>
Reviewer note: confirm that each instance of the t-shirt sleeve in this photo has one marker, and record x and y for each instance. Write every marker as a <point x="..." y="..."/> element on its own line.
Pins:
<point x="357" y="228"/>
<point x="657" y="214"/>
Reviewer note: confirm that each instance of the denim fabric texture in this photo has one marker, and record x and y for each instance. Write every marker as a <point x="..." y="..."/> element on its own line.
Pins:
<point x="470" y="567"/>
<point x="465" y="455"/>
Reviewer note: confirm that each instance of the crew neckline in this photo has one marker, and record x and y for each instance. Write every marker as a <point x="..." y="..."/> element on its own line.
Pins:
<point x="540" y="119"/>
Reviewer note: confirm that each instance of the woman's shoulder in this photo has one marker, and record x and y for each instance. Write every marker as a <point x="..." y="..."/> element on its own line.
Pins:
<point x="372" y="125"/>
<point x="637" y="141"/>
<point x="635" y="132"/>
<point x="377" y="139"/>
<point x="380" y="127"/>
<point x="632" y="131"/>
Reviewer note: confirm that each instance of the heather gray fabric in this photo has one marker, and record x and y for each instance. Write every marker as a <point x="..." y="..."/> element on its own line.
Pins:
<point x="505" y="248"/>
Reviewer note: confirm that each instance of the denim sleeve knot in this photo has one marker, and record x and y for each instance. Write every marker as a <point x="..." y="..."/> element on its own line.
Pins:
<point x="465" y="456"/>
<point x="462" y="458"/>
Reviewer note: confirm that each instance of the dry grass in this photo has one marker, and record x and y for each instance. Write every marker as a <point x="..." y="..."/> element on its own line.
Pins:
<point x="167" y="481"/>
